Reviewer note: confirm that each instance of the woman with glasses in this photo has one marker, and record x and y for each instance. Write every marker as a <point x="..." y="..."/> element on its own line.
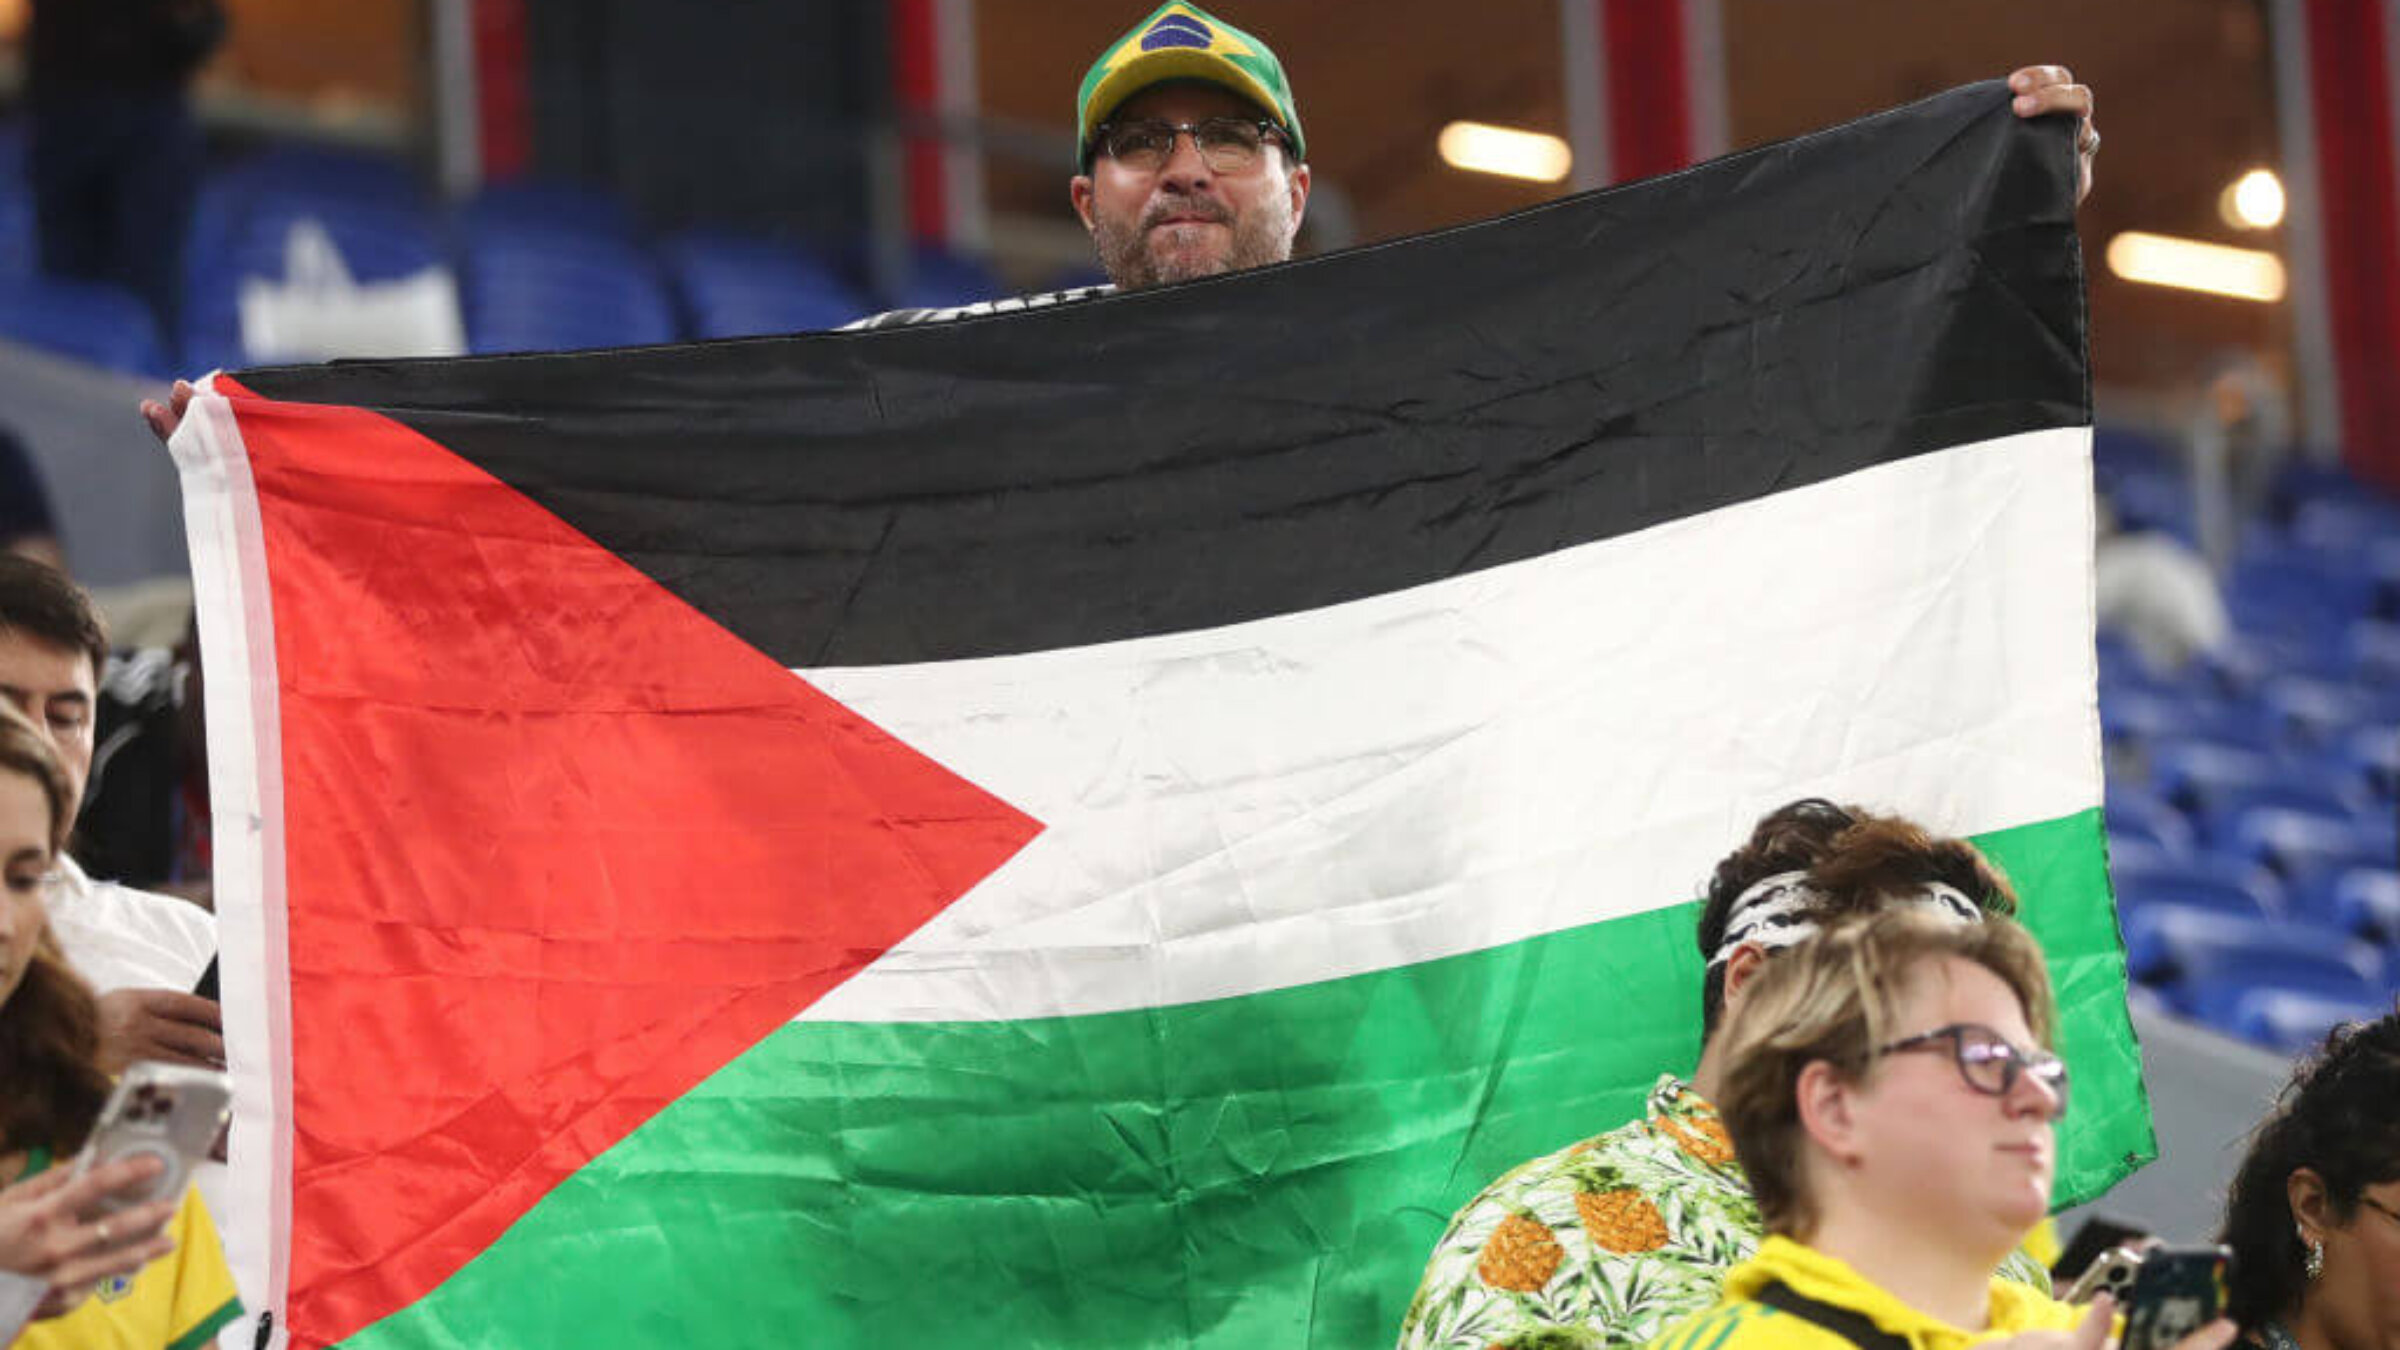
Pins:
<point x="2313" y="1216"/>
<point x="1890" y="1091"/>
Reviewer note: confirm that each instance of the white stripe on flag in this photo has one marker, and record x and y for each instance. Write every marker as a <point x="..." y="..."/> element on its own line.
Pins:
<point x="1508" y="753"/>
<point x="235" y="612"/>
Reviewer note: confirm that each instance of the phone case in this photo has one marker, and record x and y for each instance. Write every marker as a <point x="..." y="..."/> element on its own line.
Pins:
<point x="168" y="1111"/>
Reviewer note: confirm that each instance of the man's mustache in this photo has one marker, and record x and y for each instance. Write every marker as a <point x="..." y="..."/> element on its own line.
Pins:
<point x="1190" y="208"/>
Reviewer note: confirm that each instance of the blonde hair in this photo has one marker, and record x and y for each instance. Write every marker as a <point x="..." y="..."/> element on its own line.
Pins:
<point x="1834" y="998"/>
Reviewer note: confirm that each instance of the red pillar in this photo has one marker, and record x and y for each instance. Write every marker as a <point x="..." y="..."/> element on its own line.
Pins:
<point x="2349" y="76"/>
<point x="503" y="98"/>
<point x="1644" y="43"/>
<point x="916" y="95"/>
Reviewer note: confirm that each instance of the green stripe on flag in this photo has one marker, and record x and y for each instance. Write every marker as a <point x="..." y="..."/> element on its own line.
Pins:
<point x="1264" y="1170"/>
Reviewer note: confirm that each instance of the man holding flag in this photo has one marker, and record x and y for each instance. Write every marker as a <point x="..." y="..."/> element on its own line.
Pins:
<point x="743" y="837"/>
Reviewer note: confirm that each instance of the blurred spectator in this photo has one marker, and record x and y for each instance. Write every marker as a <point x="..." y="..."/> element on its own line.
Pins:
<point x="145" y="815"/>
<point x="2238" y="439"/>
<point x="27" y="527"/>
<point x="2313" y="1216"/>
<point x="2158" y="593"/>
<point x="115" y="152"/>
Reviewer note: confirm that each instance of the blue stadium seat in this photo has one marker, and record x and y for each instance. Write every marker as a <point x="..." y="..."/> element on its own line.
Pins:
<point x="2374" y="650"/>
<point x="2305" y="790"/>
<point x="20" y="250"/>
<point x="378" y="239"/>
<point x="2248" y="659"/>
<point x="2375" y="752"/>
<point x="2343" y="522"/>
<point x="2213" y="882"/>
<point x="2294" y="1020"/>
<point x="528" y="288"/>
<point x="85" y="321"/>
<point x="2145" y="717"/>
<point x="324" y="173"/>
<point x="2187" y="951"/>
<point x="2192" y="773"/>
<point x="2117" y="451"/>
<point x="938" y="279"/>
<point x="2157" y="499"/>
<point x="733" y="286"/>
<point x="2360" y="900"/>
<point x="2295" y="599"/>
<point x="2302" y="845"/>
<point x="2137" y="813"/>
<point x="547" y="204"/>
<point x="2316" y="711"/>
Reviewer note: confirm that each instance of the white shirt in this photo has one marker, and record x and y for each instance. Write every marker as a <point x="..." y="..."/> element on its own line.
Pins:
<point x="120" y="938"/>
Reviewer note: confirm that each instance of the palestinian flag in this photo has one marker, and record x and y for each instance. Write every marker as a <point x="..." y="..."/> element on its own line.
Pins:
<point x="1103" y="825"/>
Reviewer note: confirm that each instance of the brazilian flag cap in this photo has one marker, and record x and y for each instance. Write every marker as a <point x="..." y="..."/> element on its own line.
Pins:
<point x="1183" y="42"/>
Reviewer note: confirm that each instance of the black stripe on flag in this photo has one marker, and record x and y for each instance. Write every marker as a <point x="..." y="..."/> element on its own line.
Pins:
<point x="1318" y="432"/>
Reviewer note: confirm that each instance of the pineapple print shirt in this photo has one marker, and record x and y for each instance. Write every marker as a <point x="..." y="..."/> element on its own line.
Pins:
<point x="1605" y="1243"/>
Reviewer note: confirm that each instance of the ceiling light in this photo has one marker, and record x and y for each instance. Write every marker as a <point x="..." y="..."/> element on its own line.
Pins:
<point x="2253" y="201"/>
<point x="1479" y="147"/>
<point x="2162" y="260"/>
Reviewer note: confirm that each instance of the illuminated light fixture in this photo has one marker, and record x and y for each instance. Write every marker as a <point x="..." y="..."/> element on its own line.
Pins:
<point x="2163" y="260"/>
<point x="1480" y="147"/>
<point x="2253" y="201"/>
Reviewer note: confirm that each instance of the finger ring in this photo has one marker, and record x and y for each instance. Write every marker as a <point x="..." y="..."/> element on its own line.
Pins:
<point x="2090" y="144"/>
<point x="102" y="1228"/>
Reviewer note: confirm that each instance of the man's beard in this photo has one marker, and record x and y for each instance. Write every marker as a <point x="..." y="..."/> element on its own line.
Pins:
<point x="1261" y="238"/>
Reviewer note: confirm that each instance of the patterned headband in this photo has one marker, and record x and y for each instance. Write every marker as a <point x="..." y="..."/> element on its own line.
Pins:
<point x="1774" y="912"/>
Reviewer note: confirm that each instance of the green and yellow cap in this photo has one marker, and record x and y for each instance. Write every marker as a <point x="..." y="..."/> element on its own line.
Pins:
<point x="1182" y="42"/>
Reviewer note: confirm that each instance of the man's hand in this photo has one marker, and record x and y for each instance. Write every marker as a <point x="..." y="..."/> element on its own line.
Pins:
<point x="2042" y="90"/>
<point x="165" y="417"/>
<point x="162" y="1024"/>
<point x="50" y="1232"/>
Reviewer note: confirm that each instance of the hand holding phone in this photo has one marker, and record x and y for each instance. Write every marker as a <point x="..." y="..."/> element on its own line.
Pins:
<point x="168" y="1112"/>
<point x="56" y="1243"/>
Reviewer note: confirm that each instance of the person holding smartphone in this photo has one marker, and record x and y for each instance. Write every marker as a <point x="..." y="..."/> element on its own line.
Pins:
<point x="2313" y="1215"/>
<point x="1891" y="1094"/>
<point x="157" y="1266"/>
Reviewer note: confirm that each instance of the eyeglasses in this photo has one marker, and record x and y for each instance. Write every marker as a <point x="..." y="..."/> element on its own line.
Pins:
<point x="1226" y="144"/>
<point x="1987" y="1061"/>
<point x="2379" y="1207"/>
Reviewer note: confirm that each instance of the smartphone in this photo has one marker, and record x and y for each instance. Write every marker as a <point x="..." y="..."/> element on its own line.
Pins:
<point x="2112" y="1274"/>
<point x="171" y="1112"/>
<point x="2178" y="1291"/>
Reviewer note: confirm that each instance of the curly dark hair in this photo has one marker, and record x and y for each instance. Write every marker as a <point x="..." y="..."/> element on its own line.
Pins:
<point x="1855" y="857"/>
<point x="2334" y="1118"/>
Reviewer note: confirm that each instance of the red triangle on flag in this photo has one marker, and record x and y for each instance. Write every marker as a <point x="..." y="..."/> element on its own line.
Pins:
<point x="556" y="847"/>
